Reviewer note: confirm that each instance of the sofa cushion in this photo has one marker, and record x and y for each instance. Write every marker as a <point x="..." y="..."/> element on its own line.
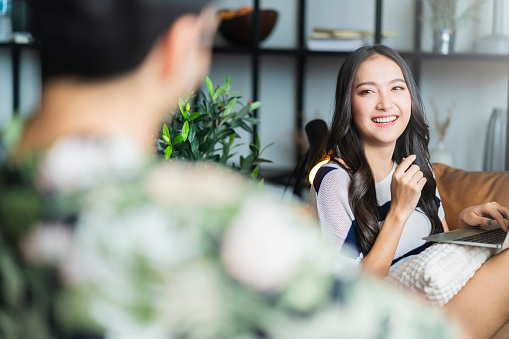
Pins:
<point x="459" y="189"/>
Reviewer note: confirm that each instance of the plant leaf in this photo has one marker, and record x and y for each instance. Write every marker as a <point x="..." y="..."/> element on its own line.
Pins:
<point x="260" y="184"/>
<point x="227" y="84"/>
<point x="167" y="152"/>
<point x="255" y="105"/>
<point x="243" y="112"/>
<point x="182" y="106"/>
<point x="185" y="130"/>
<point x="260" y="153"/>
<point x="194" y="146"/>
<point x="219" y="92"/>
<point x="228" y="108"/>
<point x="224" y="133"/>
<point x="178" y="139"/>
<point x="166" y="131"/>
<point x="245" y="127"/>
<point x="254" y="173"/>
<point x="194" y="115"/>
<point x="204" y="132"/>
<point x="232" y="139"/>
<point x="248" y="162"/>
<point x="260" y="160"/>
<point x="254" y="121"/>
<point x="167" y="139"/>
<point x="210" y="86"/>
<point x="192" y="133"/>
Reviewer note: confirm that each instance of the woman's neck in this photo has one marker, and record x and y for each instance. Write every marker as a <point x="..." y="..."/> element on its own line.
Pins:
<point x="380" y="161"/>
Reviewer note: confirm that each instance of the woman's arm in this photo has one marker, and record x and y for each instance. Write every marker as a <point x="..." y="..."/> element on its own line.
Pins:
<point x="444" y="224"/>
<point x="406" y="186"/>
<point x="332" y="205"/>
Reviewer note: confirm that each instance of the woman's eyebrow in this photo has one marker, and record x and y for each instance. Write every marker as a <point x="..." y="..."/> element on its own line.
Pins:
<point x="373" y="83"/>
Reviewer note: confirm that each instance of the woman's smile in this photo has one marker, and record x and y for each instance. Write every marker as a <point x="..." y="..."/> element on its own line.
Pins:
<point x="385" y="121"/>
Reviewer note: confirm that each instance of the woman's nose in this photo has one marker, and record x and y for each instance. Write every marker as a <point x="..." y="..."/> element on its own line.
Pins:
<point x="384" y="102"/>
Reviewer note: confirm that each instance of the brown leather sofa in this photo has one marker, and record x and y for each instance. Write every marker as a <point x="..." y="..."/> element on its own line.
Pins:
<point x="460" y="189"/>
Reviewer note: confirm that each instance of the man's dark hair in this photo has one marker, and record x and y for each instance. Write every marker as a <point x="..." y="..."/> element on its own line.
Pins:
<point x="101" y="38"/>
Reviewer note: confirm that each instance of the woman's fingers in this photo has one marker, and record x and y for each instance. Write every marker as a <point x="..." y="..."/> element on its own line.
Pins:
<point x="485" y="214"/>
<point x="405" y="164"/>
<point x="422" y="182"/>
<point x="497" y="212"/>
<point x="502" y="209"/>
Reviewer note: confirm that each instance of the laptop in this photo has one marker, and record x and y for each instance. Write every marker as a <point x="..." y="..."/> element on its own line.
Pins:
<point x="492" y="236"/>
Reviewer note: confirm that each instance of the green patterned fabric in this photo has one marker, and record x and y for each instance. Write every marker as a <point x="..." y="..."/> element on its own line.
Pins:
<point x="96" y="238"/>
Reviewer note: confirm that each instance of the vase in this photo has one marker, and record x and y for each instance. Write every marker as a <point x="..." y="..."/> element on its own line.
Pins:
<point x="443" y="41"/>
<point x="442" y="155"/>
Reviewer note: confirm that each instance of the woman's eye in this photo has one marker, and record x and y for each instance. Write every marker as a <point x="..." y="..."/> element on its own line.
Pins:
<point x="398" y="88"/>
<point x="366" y="91"/>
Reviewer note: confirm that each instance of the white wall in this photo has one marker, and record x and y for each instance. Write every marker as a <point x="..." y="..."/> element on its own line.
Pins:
<point x="476" y="87"/>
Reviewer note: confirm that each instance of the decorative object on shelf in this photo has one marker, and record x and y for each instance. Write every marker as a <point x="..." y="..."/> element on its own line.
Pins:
<point x="343" y="40"/>
<point x="495" y="146"/>
<point x="209" y="133"/>
<point x="441" y="154"/>
<point x="497" y="42"/>
<point x="443" y="41"/>
<point x="445" y="22"/>
<point x="5" y="21"/>
<point x="237" y="25"/>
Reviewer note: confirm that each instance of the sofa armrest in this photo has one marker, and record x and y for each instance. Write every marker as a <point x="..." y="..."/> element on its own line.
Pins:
<point x="459" y="189"/>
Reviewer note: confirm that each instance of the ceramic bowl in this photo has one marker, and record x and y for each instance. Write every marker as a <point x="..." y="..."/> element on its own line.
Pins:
<point x="238" y="29"/>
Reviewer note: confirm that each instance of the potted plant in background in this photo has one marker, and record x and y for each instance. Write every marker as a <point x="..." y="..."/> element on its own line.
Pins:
<point x="207" y="131"/>
<point x="445" y="20"/>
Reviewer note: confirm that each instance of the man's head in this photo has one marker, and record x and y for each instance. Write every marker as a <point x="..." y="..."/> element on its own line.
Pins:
<point x="97" y="39"/>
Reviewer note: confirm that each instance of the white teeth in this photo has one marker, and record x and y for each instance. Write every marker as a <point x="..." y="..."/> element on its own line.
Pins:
<point x="385" y="120"/>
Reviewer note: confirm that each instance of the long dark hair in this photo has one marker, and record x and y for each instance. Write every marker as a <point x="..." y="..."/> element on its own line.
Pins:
<point x="344" y="142"/>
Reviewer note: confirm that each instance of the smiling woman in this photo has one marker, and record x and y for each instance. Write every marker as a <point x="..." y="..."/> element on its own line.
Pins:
<point x="375" y="86"/>
<point x="377" y="197"/>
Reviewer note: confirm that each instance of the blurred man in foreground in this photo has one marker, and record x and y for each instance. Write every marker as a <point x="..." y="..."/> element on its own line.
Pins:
<point x="127" y="248"/>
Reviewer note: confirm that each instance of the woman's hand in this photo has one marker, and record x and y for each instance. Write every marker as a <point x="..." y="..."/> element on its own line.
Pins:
<point x="406" y="187"/>
<point x="484" y="215"/>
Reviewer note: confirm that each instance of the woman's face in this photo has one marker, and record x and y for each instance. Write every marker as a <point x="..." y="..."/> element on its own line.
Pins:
<point x="381" y="102"/>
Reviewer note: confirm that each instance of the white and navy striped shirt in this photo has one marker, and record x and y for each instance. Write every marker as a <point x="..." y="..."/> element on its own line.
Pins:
<point x="338" y="223"/>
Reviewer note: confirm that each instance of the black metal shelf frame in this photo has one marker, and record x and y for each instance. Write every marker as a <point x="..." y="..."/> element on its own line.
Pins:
<point x="300" y="53"/>
<point x="15" y="50"/>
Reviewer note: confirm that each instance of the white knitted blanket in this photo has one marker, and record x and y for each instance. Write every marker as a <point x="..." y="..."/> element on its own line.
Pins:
<point x="440" y="271"/>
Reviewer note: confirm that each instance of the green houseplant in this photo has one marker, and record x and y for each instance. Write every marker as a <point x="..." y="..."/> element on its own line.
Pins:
<point x="207" y="131"/>
<point x="445" y="13"/>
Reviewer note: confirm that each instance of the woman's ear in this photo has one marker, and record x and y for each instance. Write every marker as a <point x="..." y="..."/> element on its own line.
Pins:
<point x="186" y="48"/>
<point x="177" y="45"/>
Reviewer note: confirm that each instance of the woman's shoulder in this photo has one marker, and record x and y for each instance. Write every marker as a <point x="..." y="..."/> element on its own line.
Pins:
<point x="332" y="172"/>
<point x="338" y="165"/>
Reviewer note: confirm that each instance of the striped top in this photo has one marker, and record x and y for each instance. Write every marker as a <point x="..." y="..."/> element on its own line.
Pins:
<point x="338" y="224"/>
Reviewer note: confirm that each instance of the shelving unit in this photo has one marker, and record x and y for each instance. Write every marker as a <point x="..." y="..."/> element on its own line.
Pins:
<point x="16" y="53"/>
<point x="301" y="55"/>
